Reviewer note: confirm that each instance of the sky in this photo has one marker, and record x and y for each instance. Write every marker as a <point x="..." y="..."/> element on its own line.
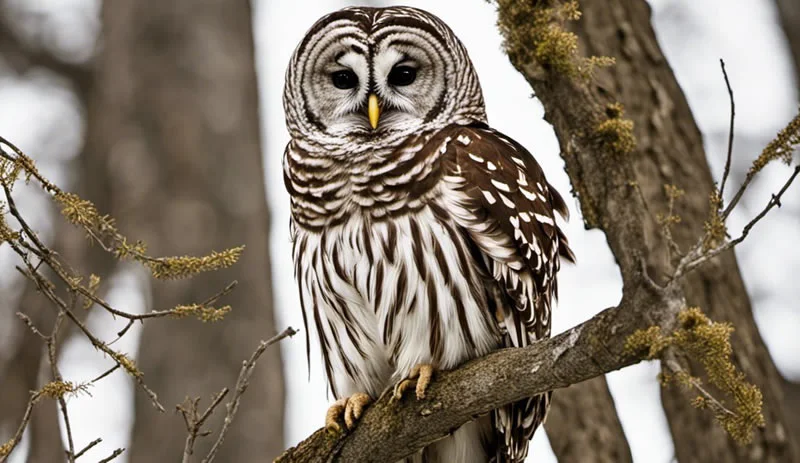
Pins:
<point x="693" y="41"/>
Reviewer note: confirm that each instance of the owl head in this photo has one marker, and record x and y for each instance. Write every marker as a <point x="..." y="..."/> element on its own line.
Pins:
<point x="367" y="77"/>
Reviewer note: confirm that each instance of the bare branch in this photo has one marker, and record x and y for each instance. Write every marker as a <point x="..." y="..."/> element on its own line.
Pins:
<point x="241" y="386"/>
<point x="9" y="446"/>
<point x="730" y="131"/>
<point x="113" y="456"/>
<point x="88" y="447"/>
<point x="697" y="257"/>
<point x="194" y="422"/>
<point x="389" y="431"/>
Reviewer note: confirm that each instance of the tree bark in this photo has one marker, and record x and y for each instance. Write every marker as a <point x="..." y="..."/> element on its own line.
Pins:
<point x="173" y="125"/>
<point x="789" y="13"/>
<point x="583" y="425"/>
<point x="669" y="151"/>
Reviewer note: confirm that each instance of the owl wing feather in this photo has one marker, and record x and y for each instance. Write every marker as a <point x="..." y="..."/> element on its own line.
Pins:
<point x="498" y="194"/>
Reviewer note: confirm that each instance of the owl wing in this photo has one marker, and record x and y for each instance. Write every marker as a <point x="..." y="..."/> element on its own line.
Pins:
<point x="498" y="194"/>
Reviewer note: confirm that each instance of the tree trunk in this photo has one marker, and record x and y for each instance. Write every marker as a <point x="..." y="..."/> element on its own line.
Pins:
<point x="669" y="151"/>
<point x="583" y="425"/>
<point x="789" y="12"/>
<point x="173" y="122"/>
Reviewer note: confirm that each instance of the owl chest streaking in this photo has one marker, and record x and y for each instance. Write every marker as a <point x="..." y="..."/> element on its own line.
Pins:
<point x="421" y="237"/>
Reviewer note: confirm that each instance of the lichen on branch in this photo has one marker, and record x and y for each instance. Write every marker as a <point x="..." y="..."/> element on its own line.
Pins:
<point x="534" y="32"/>
<point x="708" y="343"/>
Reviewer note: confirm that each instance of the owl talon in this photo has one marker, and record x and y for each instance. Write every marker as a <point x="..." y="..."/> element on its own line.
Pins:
<point x="348" y="408"/>
<point x="420" y="376"/>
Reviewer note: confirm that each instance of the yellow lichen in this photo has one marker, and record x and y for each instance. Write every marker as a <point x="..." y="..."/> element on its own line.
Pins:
<point x="699" y="402"/>
<point x="616" y="132"/>
<point x="5" y="449"/>
<point x="651" y="340"/>
<point x="6" y="233"/>
<point x="57" y="389"/>
<point x="781" y="147"/>
<point x="669" y="219"/>
<point x="714" y="228"/>
<point x="709" y="343"/>
<point x="127" y="363"/>
<point x="94" y="283"/>
<point x="534" y="34"/>
<point x="76" y="210"/>
<point x="184" y="266"/>
<point x="202" y="312"/>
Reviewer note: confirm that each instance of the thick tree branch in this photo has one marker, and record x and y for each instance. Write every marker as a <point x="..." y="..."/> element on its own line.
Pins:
<point x="389" y="431"/>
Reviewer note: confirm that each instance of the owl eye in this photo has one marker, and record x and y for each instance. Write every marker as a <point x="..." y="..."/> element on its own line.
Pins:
<point x="344" y="79"/>
<point x="400" y="76"/>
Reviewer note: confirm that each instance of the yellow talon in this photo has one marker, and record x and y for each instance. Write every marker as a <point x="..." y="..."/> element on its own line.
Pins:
<point x="349" y="408"/>
<point x="421" y="375"/>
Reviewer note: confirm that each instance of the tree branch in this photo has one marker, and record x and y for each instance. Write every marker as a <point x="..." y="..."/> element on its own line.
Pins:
<point x="390" y="431"/>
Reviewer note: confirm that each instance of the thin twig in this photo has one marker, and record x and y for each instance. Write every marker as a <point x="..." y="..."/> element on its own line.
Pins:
<point x="114" y="455"/>
<point x="26" y="418"/>
<point x="730" y="131"/>
<point x="97" y="343"/>
<point x="241" y="386"/>
<point x="698" y="259"/>
<point x="88" y="447"/>
<point x="194" y="423"/>
<point x="51" y="342"/>
<point x="30" y="324"/>
<point x="718" y="407"/>
<point x="106" y="373"/>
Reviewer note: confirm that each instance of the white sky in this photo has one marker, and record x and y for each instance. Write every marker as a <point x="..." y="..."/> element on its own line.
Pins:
<point x="693" y="40"/>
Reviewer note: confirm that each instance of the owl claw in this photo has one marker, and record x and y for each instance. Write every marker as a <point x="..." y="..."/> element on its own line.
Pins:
<point x="348" y="408"/>
<point x="420" y="376"/>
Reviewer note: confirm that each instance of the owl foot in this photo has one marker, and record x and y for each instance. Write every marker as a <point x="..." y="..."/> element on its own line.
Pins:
<point x="420" y="376"/>
<point x="349" y="408"/>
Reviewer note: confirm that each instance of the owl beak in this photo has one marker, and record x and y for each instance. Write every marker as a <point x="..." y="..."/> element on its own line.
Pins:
<point x="374" y="110"/>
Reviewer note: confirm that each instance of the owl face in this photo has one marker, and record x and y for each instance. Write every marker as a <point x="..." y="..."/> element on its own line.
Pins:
<point x="374" y="75"/>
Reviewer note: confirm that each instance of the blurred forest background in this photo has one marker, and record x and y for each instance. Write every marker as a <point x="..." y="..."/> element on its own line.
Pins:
<point x="168" y="116"/>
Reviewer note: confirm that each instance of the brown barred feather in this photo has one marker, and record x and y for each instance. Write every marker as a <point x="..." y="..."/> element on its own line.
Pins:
<point x="507" y="194"/>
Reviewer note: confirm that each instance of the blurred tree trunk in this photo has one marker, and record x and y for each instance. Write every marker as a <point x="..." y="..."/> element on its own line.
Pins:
<point x="669" y="151"/>
<point x="789" y="13"/>
<point x="583" y="425"/>
<point x="174" y="128"/>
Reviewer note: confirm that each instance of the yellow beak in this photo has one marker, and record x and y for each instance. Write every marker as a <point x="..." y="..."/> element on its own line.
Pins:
<point x="374" y="110"/>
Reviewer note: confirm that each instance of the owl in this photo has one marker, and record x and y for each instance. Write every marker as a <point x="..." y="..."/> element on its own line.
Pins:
<point x="422" y="237"/>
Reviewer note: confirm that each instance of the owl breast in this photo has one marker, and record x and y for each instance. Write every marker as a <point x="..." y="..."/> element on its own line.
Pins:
<point x="386" y="295"/>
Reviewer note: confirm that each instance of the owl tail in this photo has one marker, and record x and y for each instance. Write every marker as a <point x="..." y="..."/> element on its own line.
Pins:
<point x="514" y="426"/>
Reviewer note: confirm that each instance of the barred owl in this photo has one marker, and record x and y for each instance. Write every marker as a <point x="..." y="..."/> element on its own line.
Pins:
<point x="422" y="237"/>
